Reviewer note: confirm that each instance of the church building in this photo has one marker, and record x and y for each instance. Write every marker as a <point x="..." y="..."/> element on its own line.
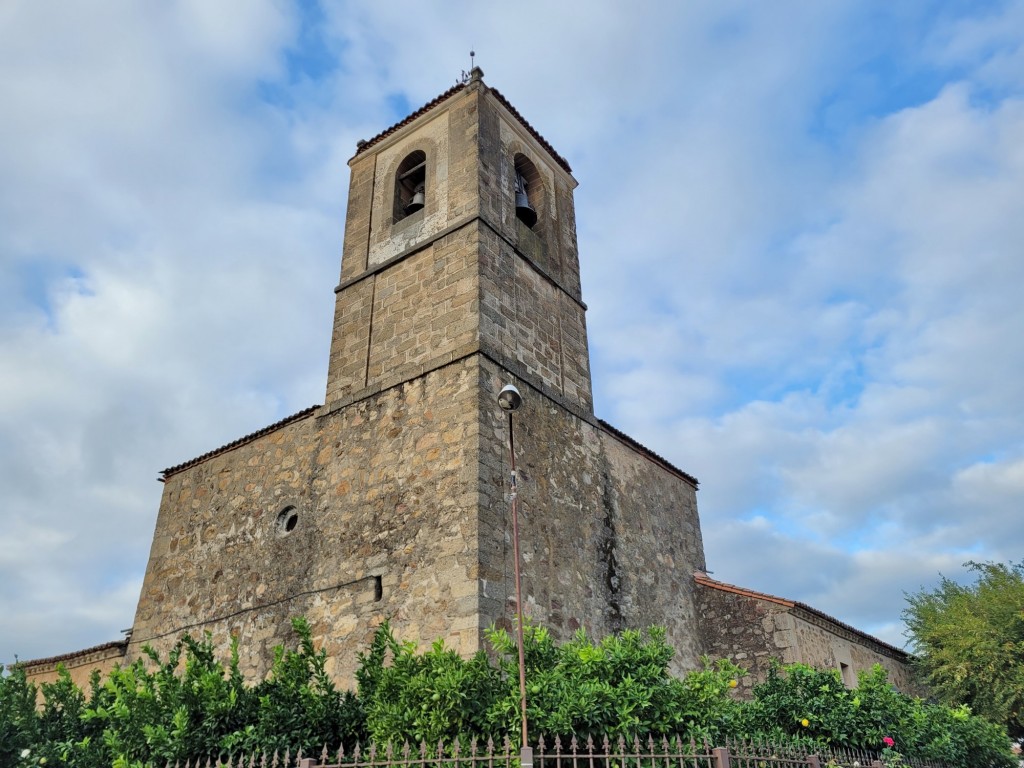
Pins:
<point x="459" y="276"/>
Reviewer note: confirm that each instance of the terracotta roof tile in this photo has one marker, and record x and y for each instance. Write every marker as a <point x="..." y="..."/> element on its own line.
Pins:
<point x="240" y="441"/>
<point x="644" y="449"/>
<point x="54" y="660"/>
<point x="723" y="587"/>
<point x="533" y="131"/>
<point x="363" y="146"/>
<point x="447" y="95"/>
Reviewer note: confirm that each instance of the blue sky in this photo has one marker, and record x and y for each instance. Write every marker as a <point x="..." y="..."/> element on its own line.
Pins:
<point x="800" y="231"/>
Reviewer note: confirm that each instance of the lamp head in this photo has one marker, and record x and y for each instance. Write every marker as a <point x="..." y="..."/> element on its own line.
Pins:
<point x="509" y="398"/>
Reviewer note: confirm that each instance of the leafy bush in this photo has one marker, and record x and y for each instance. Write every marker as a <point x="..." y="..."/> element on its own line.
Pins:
<point x="297" y="706"/>
<point x="185" y="706"/>
<point x="63" y="732"/>
<point x="620" y="686"/>
<point x="191" y="706"/>
<point x="802" y="702"/>
<point x="19" y="725"/>
<point x="429" y="697"/>
<point x="182" y="708"/>
<point x="797" y="701"/>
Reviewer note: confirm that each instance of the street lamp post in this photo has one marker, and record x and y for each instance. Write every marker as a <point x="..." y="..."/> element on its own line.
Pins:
<point x="509" y="399"/>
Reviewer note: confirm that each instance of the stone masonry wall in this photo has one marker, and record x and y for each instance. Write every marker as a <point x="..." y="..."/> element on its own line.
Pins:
<point x="752" y="632"/>
<point x="393" y="324"/>
<point x="743" y="630"/>
<point x="654" y="546"/>
<point x="386" y="500"/>
<point x="425" y="306"/>
<point x="402" y="512"/>
<point x="829" y="648"/>
<point x="468" y="290"/>
<point x="80" y="665"/>
<point x="412" y="291"/>
<point x="531" y="325"/>
<point x="609" y="537"/>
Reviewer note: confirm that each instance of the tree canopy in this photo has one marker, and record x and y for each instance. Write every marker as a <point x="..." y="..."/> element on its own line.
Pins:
<point x="970" y="642"/>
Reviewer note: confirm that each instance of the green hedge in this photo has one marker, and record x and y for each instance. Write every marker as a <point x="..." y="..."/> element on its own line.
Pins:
<point x="190" y="705"/>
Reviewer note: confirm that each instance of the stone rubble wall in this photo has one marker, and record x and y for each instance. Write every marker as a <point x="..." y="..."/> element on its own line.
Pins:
<point x="753" y="632"/>
<point x="80" y="666"/>
<point x="403" y="513"/>
<point x="609" y="536"/>
<point x="384" y="489"/>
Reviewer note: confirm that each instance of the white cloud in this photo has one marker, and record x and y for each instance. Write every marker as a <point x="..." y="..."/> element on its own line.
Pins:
<point x="871" y="367"/>
<point x="799" y="233"/>
<point x="135" y="217"/>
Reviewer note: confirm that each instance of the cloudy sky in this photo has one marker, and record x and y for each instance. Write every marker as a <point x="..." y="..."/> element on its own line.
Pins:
<point x="801" y="232"/>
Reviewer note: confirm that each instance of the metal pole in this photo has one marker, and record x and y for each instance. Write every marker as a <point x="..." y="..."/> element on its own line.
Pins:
<point x="519" y="587"/>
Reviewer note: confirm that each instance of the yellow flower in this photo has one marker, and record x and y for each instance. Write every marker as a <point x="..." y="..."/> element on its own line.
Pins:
<point x="805" y="722"/>
<point x="733" y="683"/>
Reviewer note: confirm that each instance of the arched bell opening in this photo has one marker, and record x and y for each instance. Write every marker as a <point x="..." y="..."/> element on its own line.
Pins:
<point x="529" y="191"/>
<point x="411" y="184"/>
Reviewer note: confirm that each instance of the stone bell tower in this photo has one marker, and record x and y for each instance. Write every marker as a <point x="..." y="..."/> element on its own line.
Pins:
<point x="460" y="271"/>
<point x="459" y="274"/>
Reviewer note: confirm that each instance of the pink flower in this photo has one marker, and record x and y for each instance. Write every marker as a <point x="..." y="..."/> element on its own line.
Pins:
<point x="889" y="741"/>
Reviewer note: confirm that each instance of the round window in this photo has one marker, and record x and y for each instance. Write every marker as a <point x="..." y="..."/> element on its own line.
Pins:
<point x="287" y="519"/>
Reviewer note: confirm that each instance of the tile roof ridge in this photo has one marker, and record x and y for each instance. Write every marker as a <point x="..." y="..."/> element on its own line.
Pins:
<point x="240" y="441"/>
<point x="643" y="448"/>
<point x="362" y="146"/>
<point x="533" y="131"/>
<point x="73" y="654"/>
<point x="702" y="578"/>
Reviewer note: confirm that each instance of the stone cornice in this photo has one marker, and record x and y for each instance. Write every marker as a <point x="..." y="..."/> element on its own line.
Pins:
<point x="465" y="221"/>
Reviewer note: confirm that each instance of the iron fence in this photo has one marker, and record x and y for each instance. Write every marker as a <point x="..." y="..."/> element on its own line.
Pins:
<point x="619" y="753"/>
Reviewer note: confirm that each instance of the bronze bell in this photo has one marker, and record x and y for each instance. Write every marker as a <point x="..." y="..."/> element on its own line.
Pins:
<point x="417" y="201"/>
<point x="524" y="211"/>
